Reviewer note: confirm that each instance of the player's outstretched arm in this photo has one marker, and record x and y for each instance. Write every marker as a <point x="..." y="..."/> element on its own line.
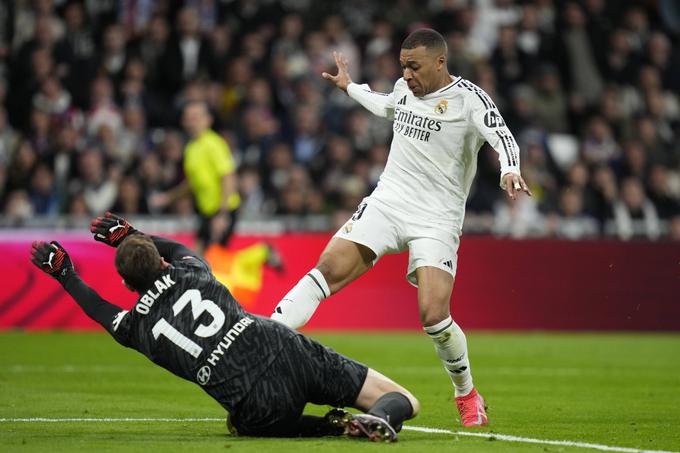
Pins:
<point x="342" y="79"/>
<point x="52" y="259"/>
<point x="380" y="104"/>
<point x="112" y="230"/>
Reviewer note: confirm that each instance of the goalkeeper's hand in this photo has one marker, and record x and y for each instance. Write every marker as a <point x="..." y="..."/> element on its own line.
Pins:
<point x="111" y="229"/>
<point x="52" y="259"/>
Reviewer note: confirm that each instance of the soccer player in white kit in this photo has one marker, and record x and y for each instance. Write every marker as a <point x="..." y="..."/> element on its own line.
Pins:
<point x="440" y="123"/>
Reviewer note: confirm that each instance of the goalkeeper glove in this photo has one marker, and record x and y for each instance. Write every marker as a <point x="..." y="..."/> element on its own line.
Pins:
<point x="111" y="229"/>
<point x="52" y="259"/>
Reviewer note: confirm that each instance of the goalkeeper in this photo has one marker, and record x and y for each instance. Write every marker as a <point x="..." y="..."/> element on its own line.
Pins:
<point x="259" y="370"/>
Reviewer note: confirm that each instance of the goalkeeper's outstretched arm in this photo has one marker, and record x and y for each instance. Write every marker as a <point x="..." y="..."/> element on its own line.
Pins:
<point x="112" y="230"/>
<point x="52" y="259"/>
<point x="94" y="306"/>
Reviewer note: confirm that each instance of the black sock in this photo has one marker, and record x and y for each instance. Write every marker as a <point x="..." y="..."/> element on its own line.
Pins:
<point x="393" y="407"/>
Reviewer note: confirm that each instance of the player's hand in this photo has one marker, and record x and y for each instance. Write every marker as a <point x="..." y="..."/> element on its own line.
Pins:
<point x="52" y="259"/>
<point x="514" y="185"/>
<point x="111" y="229"/>
<point x="342" y="79"/>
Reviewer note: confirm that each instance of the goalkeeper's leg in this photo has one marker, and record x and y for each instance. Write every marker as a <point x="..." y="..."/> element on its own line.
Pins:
<point x="340" y="263"/>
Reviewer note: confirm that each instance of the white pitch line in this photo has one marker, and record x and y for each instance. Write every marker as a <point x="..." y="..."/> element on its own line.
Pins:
<point x="529" y="440"/>
<point x="422" y="429"/>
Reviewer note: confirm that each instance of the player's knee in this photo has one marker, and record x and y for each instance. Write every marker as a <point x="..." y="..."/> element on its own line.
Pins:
<point x="415" y="404"/>
<point x="433" y="315"/>
<point x="326" y="267"/>
<point x="336" y="272"/>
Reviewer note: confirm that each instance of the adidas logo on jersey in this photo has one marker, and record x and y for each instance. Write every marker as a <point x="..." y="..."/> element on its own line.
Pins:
<point x="402" y="101"/>
<point x="448" y="264"/>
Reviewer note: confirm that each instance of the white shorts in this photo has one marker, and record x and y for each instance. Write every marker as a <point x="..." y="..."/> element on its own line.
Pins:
<point x="386" y="231"/>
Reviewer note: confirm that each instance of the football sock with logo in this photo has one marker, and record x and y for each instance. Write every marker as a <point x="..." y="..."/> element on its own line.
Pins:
<point x="299" y="304"/>
<point x="451" y="346"/>
<point x="393" y="407"/>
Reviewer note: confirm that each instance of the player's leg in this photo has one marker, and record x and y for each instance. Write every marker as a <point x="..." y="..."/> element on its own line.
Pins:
<point x="384" y="398"/>
<point x="202" y="234"/>
<point x="225" y="236"/>
<point x="274" y="405"/>
<point x="335" y="380"/>
<point x="432" y="265"/>
<point x="366" y="236"/>
<point x="386" y="405"/>
<point x="434" y="294"/>
<point x="340" y="263"/>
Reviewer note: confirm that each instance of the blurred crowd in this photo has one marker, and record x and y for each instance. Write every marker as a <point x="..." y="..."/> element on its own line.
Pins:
<point x="91" y="91"/>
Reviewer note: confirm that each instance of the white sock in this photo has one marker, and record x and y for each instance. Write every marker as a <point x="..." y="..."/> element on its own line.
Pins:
<point x="451" y="346"/>
<point x="300" y="303"/>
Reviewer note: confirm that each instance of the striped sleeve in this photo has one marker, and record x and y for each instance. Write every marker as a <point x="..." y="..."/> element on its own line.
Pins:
<point x="491" y="126"/>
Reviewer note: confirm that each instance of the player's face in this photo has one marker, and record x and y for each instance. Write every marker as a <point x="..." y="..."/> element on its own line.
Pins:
<point x="422" y="69"/>
<point x="195" y="119"/>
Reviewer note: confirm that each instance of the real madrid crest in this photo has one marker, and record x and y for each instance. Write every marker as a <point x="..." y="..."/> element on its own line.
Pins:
<point x="442" y="106"/>
<point x="348" y="227"/>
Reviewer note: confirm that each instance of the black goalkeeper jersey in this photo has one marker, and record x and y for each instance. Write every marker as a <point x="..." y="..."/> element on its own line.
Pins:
<point x="191" y="325"/>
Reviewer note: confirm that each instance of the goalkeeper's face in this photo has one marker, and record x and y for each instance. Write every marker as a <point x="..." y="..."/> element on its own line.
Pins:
<point x="423" y="69"/>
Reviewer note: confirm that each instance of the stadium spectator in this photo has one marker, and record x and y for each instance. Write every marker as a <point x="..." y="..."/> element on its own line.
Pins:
<point x="9" y="139"/>
<point x="667" y="206"/>
<point x="76" y="52"/>
<point x="22" y="166"/>
<point x="130" y="198"/>
<point x="44" y="199"/>
<point x="103" y="108"/>
<point x="18" y="207"/>
<point x="188" y="53"/>
<point x="549" y="102"/>
<point x="98" y="190"/>
<point x="572" y="222"/>
<point x="634" y="214"/>
<point x="519" y="219"/>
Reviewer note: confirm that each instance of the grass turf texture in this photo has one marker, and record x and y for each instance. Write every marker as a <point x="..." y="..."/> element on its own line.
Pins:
<point x="614" y="389"/>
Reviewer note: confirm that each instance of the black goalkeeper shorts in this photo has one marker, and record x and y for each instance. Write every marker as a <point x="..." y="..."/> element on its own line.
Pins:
<point x="305" y="372"/>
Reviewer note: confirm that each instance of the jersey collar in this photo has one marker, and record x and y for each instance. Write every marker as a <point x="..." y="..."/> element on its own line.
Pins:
<point x="454" y="81"/>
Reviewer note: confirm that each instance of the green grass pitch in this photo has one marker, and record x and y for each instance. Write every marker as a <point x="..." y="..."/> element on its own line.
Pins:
<point x="619" y="390"/>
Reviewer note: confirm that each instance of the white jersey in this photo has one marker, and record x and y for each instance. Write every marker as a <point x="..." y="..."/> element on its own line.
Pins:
<point x="433" y="155"/>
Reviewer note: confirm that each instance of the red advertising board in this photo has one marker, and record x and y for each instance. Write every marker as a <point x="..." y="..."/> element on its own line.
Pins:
<point x="501" y="284"/>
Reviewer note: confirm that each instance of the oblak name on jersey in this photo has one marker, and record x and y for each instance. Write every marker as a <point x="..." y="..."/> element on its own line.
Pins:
<point x="147" y="300"/>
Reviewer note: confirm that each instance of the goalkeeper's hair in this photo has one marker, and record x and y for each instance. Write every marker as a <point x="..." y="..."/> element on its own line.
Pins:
<point x="138" y="261"/>
<point x="426" y="37"/>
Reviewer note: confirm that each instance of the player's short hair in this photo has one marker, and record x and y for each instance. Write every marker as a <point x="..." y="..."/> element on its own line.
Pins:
<point x="138" y="261"/>
<point x="426" y="37"/>
<point x="197" y="103"/>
